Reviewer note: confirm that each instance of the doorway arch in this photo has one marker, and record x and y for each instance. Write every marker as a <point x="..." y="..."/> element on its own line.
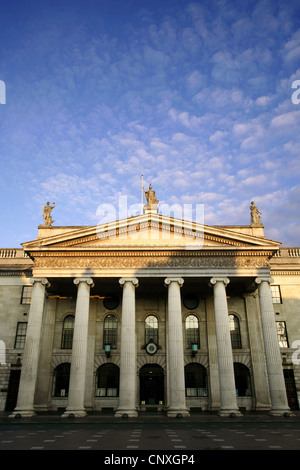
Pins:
<point x="151" y="384"/>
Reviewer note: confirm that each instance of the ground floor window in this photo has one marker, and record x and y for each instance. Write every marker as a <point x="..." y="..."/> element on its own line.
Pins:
<point x="107" y="381"/>
<point x="61" y="379"/>
<point x="242" y="380"/>
<point x="195" y="380"/>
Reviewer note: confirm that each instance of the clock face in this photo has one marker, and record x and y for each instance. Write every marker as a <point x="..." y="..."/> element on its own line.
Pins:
<point x="151" y="348"/>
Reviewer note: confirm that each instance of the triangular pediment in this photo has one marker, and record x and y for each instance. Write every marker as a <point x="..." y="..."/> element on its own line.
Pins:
<point x="148" y="231"/>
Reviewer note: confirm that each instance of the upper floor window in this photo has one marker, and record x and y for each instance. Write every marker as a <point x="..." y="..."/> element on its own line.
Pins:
<point x="151" y="329"/>
<point x="20" y="335"/>
<point x="282" y="334"/>
<point x="235" y="333"/>
<point x="26" y="295"/>
<point x="110" y="331"/>
<point x="276" y="294"/>
<point x="67" y="333"/>
<point x="192" y="331"/>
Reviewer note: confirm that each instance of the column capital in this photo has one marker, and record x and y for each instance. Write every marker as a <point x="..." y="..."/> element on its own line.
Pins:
<point x="43" y="281"/>
<point x="88" y="280"/>
<point x="259" y="280"/>
<point x="179" y="281"/>
<point x="214" y="280"/>
<point x="133" y="280"/>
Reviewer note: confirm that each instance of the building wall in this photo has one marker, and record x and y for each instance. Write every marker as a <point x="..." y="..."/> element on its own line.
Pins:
<point x="245" y="307"/>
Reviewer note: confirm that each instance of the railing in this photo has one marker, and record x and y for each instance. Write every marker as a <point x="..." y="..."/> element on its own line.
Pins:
<point x="290" y="252"/>
<point x="12" y="253"/>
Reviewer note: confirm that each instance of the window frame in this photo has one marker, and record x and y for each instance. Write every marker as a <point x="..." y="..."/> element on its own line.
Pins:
<point x="276" y="294"/>
<point x="192" y="338"/>
<point x="153" y="337"/>
<point x="110" y="334"/>
<point x="20" y="337"/>
<point x="26" y="297"/>
<point x="67" y="333"/>
<point x="235" y="334"/>
<point x="283" y="336"/>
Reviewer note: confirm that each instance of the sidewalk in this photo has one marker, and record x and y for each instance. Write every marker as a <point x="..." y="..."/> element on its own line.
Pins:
<point x="201" y="417"/>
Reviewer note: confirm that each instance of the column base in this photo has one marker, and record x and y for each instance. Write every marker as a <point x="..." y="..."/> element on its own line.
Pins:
<point x="124" y="413"/>
<point x="179" y="413"/>
<point x="22" y="413"/>
<point x="234" y="412"/>
<point x="280" y="412"/>
<point x="74" y="414"/>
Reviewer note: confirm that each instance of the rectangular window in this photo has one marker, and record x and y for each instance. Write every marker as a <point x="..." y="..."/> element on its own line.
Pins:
<point x="20" y="335"/>
<point x="26" y="295"/>
<point x="276" y="294"/>
<point x="282" y="334"/>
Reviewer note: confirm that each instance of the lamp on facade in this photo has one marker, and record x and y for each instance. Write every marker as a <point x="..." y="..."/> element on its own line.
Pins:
<point x="107" y="349"/>
<point x="194" y="349"/>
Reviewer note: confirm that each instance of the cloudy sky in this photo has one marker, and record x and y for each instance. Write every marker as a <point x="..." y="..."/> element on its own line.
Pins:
<point x="196" y="96"/>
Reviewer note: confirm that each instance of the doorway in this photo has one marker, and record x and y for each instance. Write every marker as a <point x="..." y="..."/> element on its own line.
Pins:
<point x="291" y="389"/>
<point x="13" y="388"/>
<point x="151" y="384"/>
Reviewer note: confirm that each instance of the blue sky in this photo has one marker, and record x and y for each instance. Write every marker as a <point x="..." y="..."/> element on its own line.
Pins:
<point x="196" y="96"/>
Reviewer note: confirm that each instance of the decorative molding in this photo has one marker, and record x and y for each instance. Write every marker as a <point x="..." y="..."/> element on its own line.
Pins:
<point x="155" y="259"/>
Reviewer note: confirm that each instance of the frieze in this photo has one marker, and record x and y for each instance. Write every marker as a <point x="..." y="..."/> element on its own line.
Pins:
<point x="150" y="260"/>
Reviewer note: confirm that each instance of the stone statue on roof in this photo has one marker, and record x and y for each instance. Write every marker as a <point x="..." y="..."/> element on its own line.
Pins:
<point x="255" y="214"/>
<point x="151" y="199"/>
<point x="47" y="214"/>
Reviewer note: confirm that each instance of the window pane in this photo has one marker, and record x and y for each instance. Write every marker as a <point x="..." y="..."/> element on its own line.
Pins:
<point x="235" y="333"/>
<point x="67" y="334"/>
<point x="61" y="380"/>
<point x="26" y="295"/>
<point x="192" y="331"/>
<point x="276" y="295"/>
<point x="21" y="335"/>
<point x="108" y="381"/>
<point x="195" y="380"/>
<point x="281" y="334"/>
<point x="151" y="329"/>
<point x="110" y="331"/>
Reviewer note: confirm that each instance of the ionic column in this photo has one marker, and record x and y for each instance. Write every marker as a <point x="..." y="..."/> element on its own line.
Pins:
<point x="177" y="401"/>
<point x="31" y="350"/>
<point x="273" y="358"/>
<point x="225" y="359"/>
<point x="79" y="349"/>
<point x="128" y="373"/>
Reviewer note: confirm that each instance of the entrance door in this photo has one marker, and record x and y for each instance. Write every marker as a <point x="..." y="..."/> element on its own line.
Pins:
<point x="151" y="384"/>
<point x="13" y="388"/>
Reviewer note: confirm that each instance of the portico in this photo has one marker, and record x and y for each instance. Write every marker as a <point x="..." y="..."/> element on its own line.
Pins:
<point x="79" y="273"/>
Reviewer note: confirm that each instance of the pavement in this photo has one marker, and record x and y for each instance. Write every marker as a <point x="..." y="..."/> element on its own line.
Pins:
<point x="148" y="417"/>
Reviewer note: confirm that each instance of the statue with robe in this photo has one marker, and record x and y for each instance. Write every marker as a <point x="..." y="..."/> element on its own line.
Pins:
<point x="47" y="214"/>
<point x="255" y="214"/>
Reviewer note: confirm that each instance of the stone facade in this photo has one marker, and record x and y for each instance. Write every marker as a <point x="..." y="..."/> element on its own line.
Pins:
<point x="144" y="313"/>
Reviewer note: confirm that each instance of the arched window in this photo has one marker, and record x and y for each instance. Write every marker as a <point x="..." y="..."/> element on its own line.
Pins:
<point x="235" y="332"/>
<point x="192" y="331"/>
<point x="151" y="329"/>
<point x="110" y="331"/>
<point x="195" y="380"/>
<point x="242" y="380"/>
<point x="61" y="380"/>
<point x="107" y="384"/>
<point x="67" y="333"/>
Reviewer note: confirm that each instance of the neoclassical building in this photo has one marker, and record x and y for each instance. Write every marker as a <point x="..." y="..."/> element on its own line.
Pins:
<point x="149" y="313"/>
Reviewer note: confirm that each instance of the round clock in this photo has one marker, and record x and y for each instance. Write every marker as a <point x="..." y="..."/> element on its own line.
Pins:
<point x="151" y="348"/>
